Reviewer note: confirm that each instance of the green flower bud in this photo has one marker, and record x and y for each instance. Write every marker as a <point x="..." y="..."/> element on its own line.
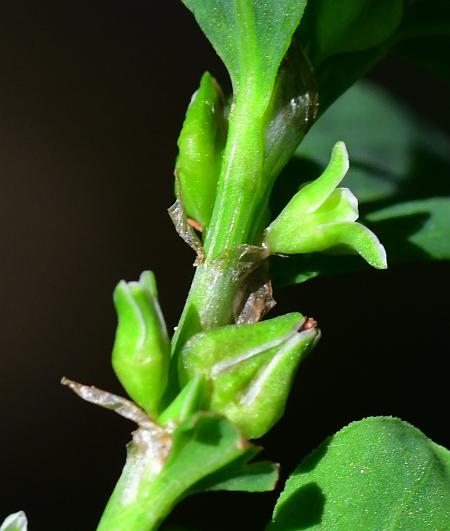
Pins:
<point x="249" y="368"/>
<point x="141" y="351"/>
<point x="201" y="145"/>
<point x="321" y="217"/>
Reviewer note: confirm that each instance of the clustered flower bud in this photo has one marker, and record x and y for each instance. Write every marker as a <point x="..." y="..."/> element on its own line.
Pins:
<point x="322" y="217"/>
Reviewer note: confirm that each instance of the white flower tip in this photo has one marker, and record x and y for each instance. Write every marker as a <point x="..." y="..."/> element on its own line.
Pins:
<point x="376" y="256"/>
<point x="15" y="522"/>
<point x="352" y="202"/>
<point x="340" y="153"/>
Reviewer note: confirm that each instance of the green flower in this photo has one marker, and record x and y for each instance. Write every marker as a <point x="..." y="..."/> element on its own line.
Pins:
<point x="321" y="217"/>
<point x="249" y="368"/>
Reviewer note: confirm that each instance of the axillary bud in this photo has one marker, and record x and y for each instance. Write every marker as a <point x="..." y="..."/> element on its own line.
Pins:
<point x="250" y="368"/>
<point x="201" y="144"/>
<point x="141" y="351"/>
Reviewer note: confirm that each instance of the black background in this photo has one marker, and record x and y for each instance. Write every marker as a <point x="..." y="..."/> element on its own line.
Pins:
<point x="92" y="97"/>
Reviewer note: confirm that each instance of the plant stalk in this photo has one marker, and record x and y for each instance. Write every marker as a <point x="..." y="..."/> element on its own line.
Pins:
<point x="216" y="281"/>
<point x="141" y="500"/>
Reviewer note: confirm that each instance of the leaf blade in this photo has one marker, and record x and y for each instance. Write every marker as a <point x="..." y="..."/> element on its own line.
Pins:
<point x="378" y="473"/>
<point x="343" y="27"/>
<point x="250" y="36"/>
<point x="424" y="36"/>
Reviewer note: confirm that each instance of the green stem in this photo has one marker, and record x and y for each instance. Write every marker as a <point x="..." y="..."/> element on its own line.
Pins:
<point x="140" y="502"/>
<point x="143" y="498"/>
<point x="213" y="291"/>
<point x="146" y="511"/>
<point x="239" y="186"/>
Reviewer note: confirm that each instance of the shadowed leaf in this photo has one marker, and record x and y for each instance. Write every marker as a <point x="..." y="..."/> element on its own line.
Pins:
<point x="378" y="473"/>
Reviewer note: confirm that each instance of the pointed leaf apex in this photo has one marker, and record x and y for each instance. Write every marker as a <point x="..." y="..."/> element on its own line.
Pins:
<point x="373" y="252"/>
<point x="339" y="153"/>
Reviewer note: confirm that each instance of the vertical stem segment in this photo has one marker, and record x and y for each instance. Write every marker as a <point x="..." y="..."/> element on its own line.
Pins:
<point x="210" y="300"/>
<point x="239" y="186"/>
<point x="139" y="501"/>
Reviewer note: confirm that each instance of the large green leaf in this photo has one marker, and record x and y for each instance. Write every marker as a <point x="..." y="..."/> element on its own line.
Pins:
<point x="345" y="39"/>
<point x="424" y="36"/>
<point x="250" y="36"/>
<point x="399" y="171"/>
<point x="339" y="27"/>
<point x="376" y="474"/>
<point x="209" y="453"/>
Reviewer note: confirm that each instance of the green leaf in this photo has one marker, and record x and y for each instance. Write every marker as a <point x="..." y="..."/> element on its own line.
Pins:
<point x="344" y="40"/>
<point x="400" y="180"/>
<point x="424" y="36"/>
<point x="255" y="477"/>
<point x="15" y="522"/>
<point x="379" y="473"/>
<point x="209" y="453"/>
<point x="250" y="36"/>
<point x="330" y="28"/>
<point x="241" y="475"/>
<point x="427" y="220"/>
<point x="340" y="72"/>
<point x="205" y="452"/>
<point x="341" y="27"/>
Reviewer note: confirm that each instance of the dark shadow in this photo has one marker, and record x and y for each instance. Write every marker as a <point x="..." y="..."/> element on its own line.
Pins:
<point x="305" y="506"/>
<point x="314" y="457"/>
<point x="208" y="432"/>
<point x="395" y="233"/>
<point x="303" y="509"/>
